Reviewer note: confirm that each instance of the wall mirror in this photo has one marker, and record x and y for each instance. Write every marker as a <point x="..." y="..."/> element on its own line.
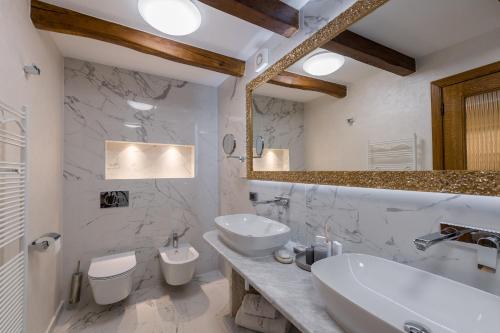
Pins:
<point x="396" y="94"/>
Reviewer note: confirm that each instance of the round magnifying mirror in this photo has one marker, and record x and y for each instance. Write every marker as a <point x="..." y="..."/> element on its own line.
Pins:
<point x="259" y="146"/>
<point x="229" y="144"/>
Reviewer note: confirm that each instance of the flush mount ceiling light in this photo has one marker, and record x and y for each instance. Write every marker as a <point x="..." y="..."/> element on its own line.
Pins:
<point x="132" y="125"/>
<point x="140" y="106"/>
<point x="173" y="17"/>
<point x="324" y="63"/>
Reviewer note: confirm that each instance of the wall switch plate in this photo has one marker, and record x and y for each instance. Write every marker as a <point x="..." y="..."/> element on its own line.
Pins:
<point x="113" y="199"/>
<point x="253" y="196"/>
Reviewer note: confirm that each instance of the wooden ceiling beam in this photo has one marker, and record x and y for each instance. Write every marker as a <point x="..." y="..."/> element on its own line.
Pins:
<point x="357" y="47"/>
<point x="292" y="80"/>
<point x="272" y="15"/>
<point x="56" y="19"/>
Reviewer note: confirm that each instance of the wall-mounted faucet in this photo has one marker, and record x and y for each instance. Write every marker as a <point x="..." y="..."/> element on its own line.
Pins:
<point x="279" y="200"/>
<point x="424" y="242"/>
<point x="175" y="240"/>
<point x="487" y="242"/>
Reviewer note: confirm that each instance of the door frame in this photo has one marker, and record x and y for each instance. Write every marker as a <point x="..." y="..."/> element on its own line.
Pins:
<point x="437" y="106"/>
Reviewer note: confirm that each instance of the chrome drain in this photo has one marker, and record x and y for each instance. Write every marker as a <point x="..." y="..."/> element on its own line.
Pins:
<point x="414" y="327"/>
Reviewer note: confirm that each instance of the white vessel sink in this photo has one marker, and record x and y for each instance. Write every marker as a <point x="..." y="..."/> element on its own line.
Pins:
<point x="364" y="294"/>
<point x="252" y="235"/>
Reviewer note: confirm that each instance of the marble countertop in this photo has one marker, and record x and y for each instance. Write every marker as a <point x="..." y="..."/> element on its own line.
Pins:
<point x="286" y="287"/>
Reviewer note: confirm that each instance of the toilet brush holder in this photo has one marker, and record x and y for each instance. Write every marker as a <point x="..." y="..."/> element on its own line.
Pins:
<point x="76" y="286"/>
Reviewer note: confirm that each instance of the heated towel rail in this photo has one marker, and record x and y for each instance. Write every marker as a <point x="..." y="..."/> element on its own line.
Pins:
<point x="13" y="144"/>
<point x="393" y="155"/>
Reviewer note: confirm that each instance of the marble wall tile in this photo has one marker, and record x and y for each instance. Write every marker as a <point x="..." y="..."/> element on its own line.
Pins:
<point x="281" y="123"/>
<point x="96" y="109"/>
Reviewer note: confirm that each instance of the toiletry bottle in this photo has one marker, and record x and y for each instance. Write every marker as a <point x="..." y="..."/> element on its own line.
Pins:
<point x="336" y="248"/>
<point x="320" y="248"/>
<point x="310" y="255"/>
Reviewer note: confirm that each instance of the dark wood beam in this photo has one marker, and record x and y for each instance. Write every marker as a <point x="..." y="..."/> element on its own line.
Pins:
<point x="292" y="80"/>
<point x="272" y="15"/>
<point x="369" y="52"/>
<point x="57" y="19"/>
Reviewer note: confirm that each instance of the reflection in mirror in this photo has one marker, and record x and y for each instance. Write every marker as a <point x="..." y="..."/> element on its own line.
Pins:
<point x="259" y="147"/>
<point x="362" y="101"/>
<point x="229" y="144"/>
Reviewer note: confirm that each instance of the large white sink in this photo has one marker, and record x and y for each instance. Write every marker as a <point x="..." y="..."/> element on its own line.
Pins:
<point x="364" y="294"/>
<point x="252" y="235"/>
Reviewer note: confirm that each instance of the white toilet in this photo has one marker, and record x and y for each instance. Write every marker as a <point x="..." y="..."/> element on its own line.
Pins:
<point x="178" y="264"/>
<point x="110" y="277"/>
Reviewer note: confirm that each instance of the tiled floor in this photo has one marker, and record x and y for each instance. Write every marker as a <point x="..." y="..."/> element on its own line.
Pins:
<point x="197" y="307"/>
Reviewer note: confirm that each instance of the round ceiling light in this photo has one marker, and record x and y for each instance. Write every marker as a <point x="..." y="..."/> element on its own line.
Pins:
<point x="140" y="106"/>
<point x="324" y="63"/>
<point x="173" y="17"/>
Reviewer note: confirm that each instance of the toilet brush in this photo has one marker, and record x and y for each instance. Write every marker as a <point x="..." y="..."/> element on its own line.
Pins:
<point x="76" y="285"/>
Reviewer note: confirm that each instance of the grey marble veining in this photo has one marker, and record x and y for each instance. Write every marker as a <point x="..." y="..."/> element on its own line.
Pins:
<point x="286" y="287"/>
<point x="281" y="123"/>
<point x="96" y="109"/>
<point x="384" y="223"/>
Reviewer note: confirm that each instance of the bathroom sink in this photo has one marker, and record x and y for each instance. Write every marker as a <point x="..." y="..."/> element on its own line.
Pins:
<point x="363" y="294"/>
<point x="252" y="235"/>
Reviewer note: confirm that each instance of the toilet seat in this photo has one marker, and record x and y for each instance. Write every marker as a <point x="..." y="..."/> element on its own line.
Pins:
<point x="112" y="277"/>
<point x="112" y="266"/>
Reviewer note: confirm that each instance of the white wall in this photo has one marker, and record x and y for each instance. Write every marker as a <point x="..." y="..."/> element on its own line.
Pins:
<point x="387" y="107"/>
<point x="21" y="44"/>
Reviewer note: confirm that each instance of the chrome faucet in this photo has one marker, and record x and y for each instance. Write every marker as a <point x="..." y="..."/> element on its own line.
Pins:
<point x="175" y="240"/>
<point x="278" y="200"/>
<point x="450" y="233"/>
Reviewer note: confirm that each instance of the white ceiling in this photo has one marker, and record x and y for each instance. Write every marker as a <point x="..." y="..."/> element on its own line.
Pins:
<point x="290" y="94"/>
<point x="421" y="27"/>
<point x="414" y="27"/>
<point x="113" y="55"/>
<point x="219" y="32"/>
<point x="351" y="71"/>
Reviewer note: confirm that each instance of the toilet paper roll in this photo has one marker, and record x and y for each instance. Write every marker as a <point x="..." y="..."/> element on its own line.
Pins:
<point x="54" y="241"/>
<point x="57" y="245"/>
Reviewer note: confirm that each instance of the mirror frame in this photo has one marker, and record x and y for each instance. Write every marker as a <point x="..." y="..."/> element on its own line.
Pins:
<point x="444" y="181"/>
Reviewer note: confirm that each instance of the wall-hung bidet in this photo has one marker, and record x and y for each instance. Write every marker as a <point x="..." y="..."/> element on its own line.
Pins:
<point x="110" y="277"/>
<point x="178" y="263"/>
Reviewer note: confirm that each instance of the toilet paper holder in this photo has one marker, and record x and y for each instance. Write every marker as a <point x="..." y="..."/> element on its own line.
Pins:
<point x="43" y="242"/>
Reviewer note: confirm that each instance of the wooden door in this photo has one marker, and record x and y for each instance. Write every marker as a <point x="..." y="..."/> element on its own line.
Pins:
<point x="456" y="100"/>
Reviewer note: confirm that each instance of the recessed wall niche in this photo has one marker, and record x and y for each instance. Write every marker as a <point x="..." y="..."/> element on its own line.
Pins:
<point x="272" y="159"/>
<point x="137" y="160"/>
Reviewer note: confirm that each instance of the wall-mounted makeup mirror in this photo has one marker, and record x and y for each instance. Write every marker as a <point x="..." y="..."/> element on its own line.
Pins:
<point x="259" y="146"/>
<point x="229" y="146"/>
<point x="421" y="79"/>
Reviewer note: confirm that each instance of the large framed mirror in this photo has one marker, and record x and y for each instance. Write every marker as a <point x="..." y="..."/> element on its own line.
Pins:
<point x="396" y="94"/>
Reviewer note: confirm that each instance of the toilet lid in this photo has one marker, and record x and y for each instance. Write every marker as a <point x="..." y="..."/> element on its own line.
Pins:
<point x="108" y="266"/>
